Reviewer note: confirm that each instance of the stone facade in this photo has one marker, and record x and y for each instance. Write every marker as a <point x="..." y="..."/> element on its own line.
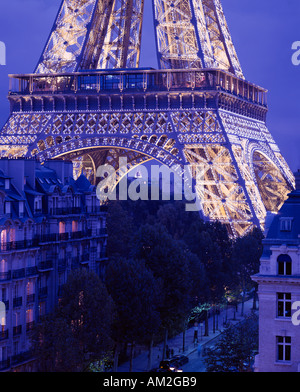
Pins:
<point x="49" y="225"/>
<point x="278" y="289"/>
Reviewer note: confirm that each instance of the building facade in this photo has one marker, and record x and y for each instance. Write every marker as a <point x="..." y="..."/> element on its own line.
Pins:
<point x="50" y="224"/>
<point x="279" y="290"/>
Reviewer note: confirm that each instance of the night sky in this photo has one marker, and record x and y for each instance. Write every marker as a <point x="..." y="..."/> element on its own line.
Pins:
<point x="263" y="32"/>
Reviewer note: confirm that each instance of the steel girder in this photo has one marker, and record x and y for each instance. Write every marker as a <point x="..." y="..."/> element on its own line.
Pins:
<point x="90" y="34"/>
<point x="243" y="173"/>
<point x="103" y="34"/>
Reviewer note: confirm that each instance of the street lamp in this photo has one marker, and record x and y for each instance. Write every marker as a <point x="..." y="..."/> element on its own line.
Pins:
<point x="201" y="326"/>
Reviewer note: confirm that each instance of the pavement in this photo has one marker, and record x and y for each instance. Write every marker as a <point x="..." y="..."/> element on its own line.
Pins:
<point x="140" y="361"/>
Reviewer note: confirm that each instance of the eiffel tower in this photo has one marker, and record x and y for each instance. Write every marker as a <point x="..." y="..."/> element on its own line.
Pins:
<point x="87" y="101"/>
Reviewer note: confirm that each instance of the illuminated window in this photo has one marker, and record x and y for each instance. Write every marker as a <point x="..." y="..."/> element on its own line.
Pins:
<point x="62" y="227"/>
<point x="3" y="266"/>
<point x="3" y="239"/>
<point x="74" y="226"/>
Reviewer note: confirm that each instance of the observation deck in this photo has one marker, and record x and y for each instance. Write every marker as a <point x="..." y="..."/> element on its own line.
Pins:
<point x="136" y="89"/>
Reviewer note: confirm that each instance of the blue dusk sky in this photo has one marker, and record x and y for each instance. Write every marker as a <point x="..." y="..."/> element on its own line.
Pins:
<point x="263" y="32"/>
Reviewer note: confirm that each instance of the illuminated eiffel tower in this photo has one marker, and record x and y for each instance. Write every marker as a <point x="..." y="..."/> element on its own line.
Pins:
<point x="87" y="101"/>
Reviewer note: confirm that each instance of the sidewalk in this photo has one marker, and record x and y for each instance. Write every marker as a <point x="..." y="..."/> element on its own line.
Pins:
<point x="140" y="362"/>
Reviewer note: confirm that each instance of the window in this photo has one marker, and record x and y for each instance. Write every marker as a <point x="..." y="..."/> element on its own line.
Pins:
<point x="284" y="265"/>
<point x="283" y="348"/>
<point x="74" y="226"/>
<point x="29" y="315"/>
<point x="62" y="227"/>
<point x="3" y="237"/>
<point x="3" y="294"/>
<point x="42" y="308"/>
<point x="286" y="224"/>
<point x="16" y="348"/>
<point x="2" y="316"/>
<point x="7" y="207"/>
<point x="21" y="209"/>
<point x="284" y="304"/>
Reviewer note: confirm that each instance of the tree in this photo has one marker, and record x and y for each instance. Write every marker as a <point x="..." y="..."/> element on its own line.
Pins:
<point x="167" y="260"/>
<point x="176" y="219"/>
<point x="136" y="294"/>
<point x="78" y="331"/>
<point x="119" y="230"/>
<point x="246" y="255"/>
<point x="235" y="349"/>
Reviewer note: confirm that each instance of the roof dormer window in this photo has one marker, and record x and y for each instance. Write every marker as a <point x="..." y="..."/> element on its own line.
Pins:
<point x="286" y="224"/>
<point x="7" y="207"/>
<point x="21" y="209"/>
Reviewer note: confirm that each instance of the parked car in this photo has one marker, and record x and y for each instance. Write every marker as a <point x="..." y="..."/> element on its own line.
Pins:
<point x="179" y="360"/>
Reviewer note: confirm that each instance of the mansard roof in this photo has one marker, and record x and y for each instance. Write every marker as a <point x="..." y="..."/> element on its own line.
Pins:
<point x="290" y="211"/>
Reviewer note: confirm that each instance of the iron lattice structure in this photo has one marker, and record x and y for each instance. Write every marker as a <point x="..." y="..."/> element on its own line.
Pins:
<point x="87" y="101"/>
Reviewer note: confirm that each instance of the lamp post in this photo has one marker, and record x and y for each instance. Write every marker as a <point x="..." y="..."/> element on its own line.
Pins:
<point x="201" y="326"/>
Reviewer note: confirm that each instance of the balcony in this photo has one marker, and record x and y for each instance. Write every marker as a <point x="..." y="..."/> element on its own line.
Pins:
<point x="94" y="209"/>
<point x="21" y="358"/>
<point x="56" y="237"/>
<point x="5" y="275"/>
<point x="17" y="245"/>
<point x="17" y="302"/>
<point x="45" y="265"/>
<point x="85" y="258"/>
<point x="30" y="298"/>
<point x="4" y="335"/>
<point x="60" y="290"/>
<point x="43" y="292"/>
<point x="17" y="330"/>
<point x="75" y="262"/>
<point x="38" y="211"/>
<point x="52" y="237"/>
<point x="62" y="265"/>
<point x="101" y="232"/>
<point x="80" y="234"/>
<point x="103" y="254"/>
<point x="29" y="325"/>
<point x="5" y="364"/>
<point x="18" y="274"/>
<point x="31" y="271"/>
<point x="63" y="236"/>
<point x="137" y="80"/>
<point x="65" y="211"/>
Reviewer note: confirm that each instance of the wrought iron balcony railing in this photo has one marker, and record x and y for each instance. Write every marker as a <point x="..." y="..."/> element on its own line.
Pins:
<point x="4" y="334"/>
<point x="5" y="275"/>
<point x="16" y="245"/>
<point x="17" y="302"/>
<point x="45" y="265"/>
<point x="17" y="330"/>
<point x="18" y="274"/>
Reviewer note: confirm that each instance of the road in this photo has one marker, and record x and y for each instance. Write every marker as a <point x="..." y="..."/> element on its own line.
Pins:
<point x="196" y="362"/>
